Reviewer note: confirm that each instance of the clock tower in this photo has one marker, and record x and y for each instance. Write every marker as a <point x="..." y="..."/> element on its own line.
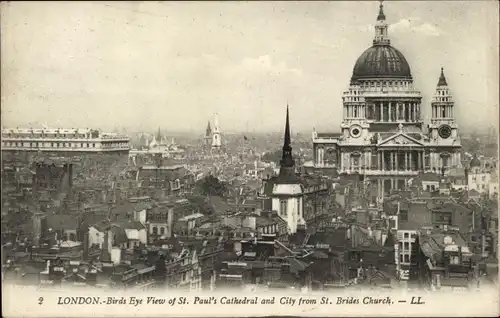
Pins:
<point x="443" y="129"/>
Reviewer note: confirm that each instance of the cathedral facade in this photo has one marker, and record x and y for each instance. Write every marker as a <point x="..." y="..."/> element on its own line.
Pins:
<point x="382" y="137"/>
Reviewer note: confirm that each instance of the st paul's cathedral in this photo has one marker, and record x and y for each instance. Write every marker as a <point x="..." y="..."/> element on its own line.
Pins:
<point x="382" y="139"/>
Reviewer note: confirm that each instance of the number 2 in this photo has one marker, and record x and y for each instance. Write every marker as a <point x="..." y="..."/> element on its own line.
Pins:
<point x="40" y="300"/>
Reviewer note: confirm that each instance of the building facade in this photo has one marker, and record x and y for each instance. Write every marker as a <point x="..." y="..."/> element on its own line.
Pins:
<point x="63" y="140"/>
<point x="382" y="134"/>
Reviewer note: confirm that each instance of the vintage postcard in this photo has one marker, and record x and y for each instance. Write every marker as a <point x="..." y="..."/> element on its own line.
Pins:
<point x="287" y="158"/>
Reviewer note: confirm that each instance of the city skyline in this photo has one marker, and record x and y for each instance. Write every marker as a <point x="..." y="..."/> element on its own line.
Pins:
<point x="143" y="64"/>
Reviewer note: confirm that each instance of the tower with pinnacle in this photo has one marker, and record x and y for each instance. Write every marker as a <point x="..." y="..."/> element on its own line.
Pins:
<point x="216" y="135"/>
<point x="288" y="195"/>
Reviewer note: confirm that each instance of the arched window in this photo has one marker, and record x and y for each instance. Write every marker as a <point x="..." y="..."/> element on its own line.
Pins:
<point x="162" y="230"/>
<point x="155" y="230"/>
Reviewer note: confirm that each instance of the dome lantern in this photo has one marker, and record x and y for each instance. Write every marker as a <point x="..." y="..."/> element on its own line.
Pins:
<point x="381" y="37"/>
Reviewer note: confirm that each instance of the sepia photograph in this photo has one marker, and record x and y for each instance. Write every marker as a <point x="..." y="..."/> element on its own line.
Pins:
<point x="249" y="158"/>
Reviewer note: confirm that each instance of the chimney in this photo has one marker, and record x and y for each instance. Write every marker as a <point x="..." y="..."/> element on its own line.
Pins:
<point x="106" y="246"/>
<point x="85" y="246"/>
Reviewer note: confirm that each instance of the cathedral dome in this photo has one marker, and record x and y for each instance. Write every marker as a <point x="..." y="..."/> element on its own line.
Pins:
<point x="381" y="61"/>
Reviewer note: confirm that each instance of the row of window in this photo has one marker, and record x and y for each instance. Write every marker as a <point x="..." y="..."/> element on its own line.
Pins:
<point x="404" y="246"/>
<point x="52" y="144"/>
<point x="270" y="229"/>
<point x="385" y="84"/>
<point x="443" y="99"/>
<point x="60" y="144"/>
<point x="75" y="136"/>
<point x="404" y="258"/>
<point x="155" y="230"/>
<point x="474" y="179"/>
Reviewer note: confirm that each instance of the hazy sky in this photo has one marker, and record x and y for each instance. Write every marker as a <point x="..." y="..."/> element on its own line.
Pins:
<point x="142" y="65"/>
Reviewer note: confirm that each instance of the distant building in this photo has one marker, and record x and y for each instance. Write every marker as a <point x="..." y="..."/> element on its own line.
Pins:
<point x="208" y="136"/>
<point x="53" y="176"/>
<point x="172" y="179"/>
<point x="479" y="178"/>
<point x="445" y="261"/>
<point x="158" y="147"/>
<point x="39" y="228"/>
<point x="74" y="140"/>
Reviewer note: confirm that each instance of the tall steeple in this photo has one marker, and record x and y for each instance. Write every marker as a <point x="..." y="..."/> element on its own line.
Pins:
<point x="381" y="37"/>
<point x="158" y="135"/>
<point x="208" y="131"/>
<point x="287" y="164"/>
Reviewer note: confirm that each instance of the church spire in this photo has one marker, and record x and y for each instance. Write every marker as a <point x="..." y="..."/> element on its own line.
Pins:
<point x="287" y="159"/>
<point x="442" y="79"/>
<point x="208" y="131"/>
<point x="158" y="135"/>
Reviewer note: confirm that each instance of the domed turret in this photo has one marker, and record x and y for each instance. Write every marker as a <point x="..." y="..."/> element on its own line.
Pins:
<point x="475" y="163"/>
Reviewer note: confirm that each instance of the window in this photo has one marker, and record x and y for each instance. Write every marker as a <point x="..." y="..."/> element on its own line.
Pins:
<point x="406" y="258"/>
<point x="93" y="145"/>
<point x="155" y="230"/>
<point x="454" y="260"/>
<point x="162" y="231"/>
<point x="406" y="246"/>
<point x="403" y="215"/>
<point x="442" y="218"/>
<point x="283" y="207"/>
